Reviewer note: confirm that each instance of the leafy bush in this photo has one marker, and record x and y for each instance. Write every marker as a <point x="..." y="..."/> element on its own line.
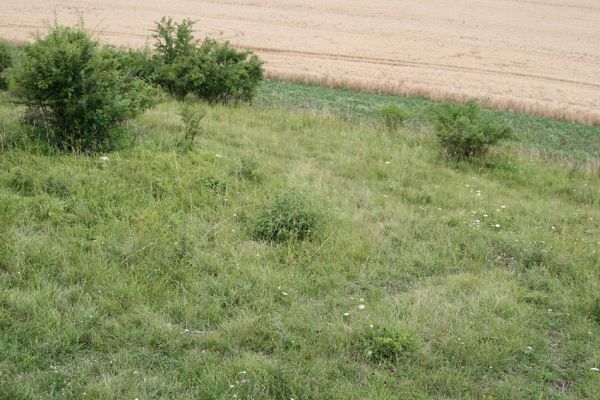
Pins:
<point x="386" y="346"/>
<point x="464" y="132"/>
<point x="137" y="64"/>
<point x="75" y="90"/>
<point x="212" y="71"/>
<point x="393" y="116"/>
<point x="5" y="63"/>
<point x="289" y="216"/>
<point x="191" y="115"/>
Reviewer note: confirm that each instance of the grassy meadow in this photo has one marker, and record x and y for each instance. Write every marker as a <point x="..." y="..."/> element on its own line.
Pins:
<point x="135" y="275"/>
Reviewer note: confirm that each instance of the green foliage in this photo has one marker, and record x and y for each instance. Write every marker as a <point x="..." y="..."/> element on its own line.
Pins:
<point x="248" y="168"/>
<point x="191" y="115"/>
<point x="75" y="91"/>
<point x="212" y="71"/>
<point x="5" y="63"/>
<point x="385" y="346"/>
<point x="137" y="275"/>
<point x="392" y="116"/>
<point x="289" y="216"/>
<point x="540" y="134"/>
<point x="215" y="184"/>
<point x="137" y="63"/>
<point x="464" y="132"/>
<point x="595" y="309"/>
<point x="174" y="40"/>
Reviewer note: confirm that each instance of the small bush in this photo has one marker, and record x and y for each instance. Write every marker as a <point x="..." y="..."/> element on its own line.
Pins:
<point x="384" y="346"/>
<point x="464" y="132"/>
<point x="392" y="116"/>
<point x="5" y="63"/>
<point x="212" y="71"/>
<point x="191" y="115"/>
<point x="76" y="92"/>
<point x="289" y="216"/>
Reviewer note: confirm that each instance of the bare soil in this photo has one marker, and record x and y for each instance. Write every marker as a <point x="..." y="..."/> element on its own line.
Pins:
<point x="536" y="56"/>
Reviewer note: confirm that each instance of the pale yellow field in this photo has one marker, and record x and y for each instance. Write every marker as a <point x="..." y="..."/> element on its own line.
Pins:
<point x="537" y="56"/>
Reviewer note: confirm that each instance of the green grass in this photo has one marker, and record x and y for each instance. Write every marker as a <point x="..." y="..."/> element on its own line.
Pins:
<point x="552" y="138"/>
<point x="138" y="276"/>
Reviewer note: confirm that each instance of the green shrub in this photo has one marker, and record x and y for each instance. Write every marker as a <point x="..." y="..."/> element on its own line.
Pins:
<point x="138" y="64"/>
<point x="464" y="132"/>
<point x="384" y="346"/>
<point x="75" y="90"/>
<point x="191" y="115"/>
<point x="5" y="63"/>
<point x="289" y="216"/>
<point x="212" y="71"/>
<point x="393" y="116"/>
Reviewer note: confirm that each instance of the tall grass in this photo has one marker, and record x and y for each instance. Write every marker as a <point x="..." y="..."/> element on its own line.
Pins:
<point x="134" y="274"/>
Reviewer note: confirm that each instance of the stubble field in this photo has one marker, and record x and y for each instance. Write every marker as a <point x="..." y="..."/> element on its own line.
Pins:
<point x="540" y="57"/>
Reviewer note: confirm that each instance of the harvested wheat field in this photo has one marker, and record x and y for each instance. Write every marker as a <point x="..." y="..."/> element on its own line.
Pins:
<point x="541" y="57"/>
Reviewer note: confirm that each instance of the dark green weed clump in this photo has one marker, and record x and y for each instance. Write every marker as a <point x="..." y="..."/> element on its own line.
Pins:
<point x="386" y="346"/>
<point x="465" y="132"/>
<point x="75" y="92"/>
<point x="289" y="216"/>
<point x="595" y="309"/>
<point x="392" y="116"/>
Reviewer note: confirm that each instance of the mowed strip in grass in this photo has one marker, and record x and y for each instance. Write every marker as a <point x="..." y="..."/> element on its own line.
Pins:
<point x="550" y="138"/>
<point x="136" y="275"/>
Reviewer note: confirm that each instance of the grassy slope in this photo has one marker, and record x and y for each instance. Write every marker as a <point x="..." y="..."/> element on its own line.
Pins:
<point x="537" y="134"/>
<point x="134" y="278"/>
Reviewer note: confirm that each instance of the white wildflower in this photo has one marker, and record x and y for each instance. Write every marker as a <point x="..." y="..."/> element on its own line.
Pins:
<point x="361" y="306"/>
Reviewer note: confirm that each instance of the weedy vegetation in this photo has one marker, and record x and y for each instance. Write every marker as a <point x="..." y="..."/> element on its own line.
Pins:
<point x="464" y="132"/>
<point x="295" y="249"/>
<point x="212" y="71"/>
<point x="5" y="63"/>
<point x="289" y="216"/>
<point x="393" y="116"/>
<point x="76" y="95"/>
